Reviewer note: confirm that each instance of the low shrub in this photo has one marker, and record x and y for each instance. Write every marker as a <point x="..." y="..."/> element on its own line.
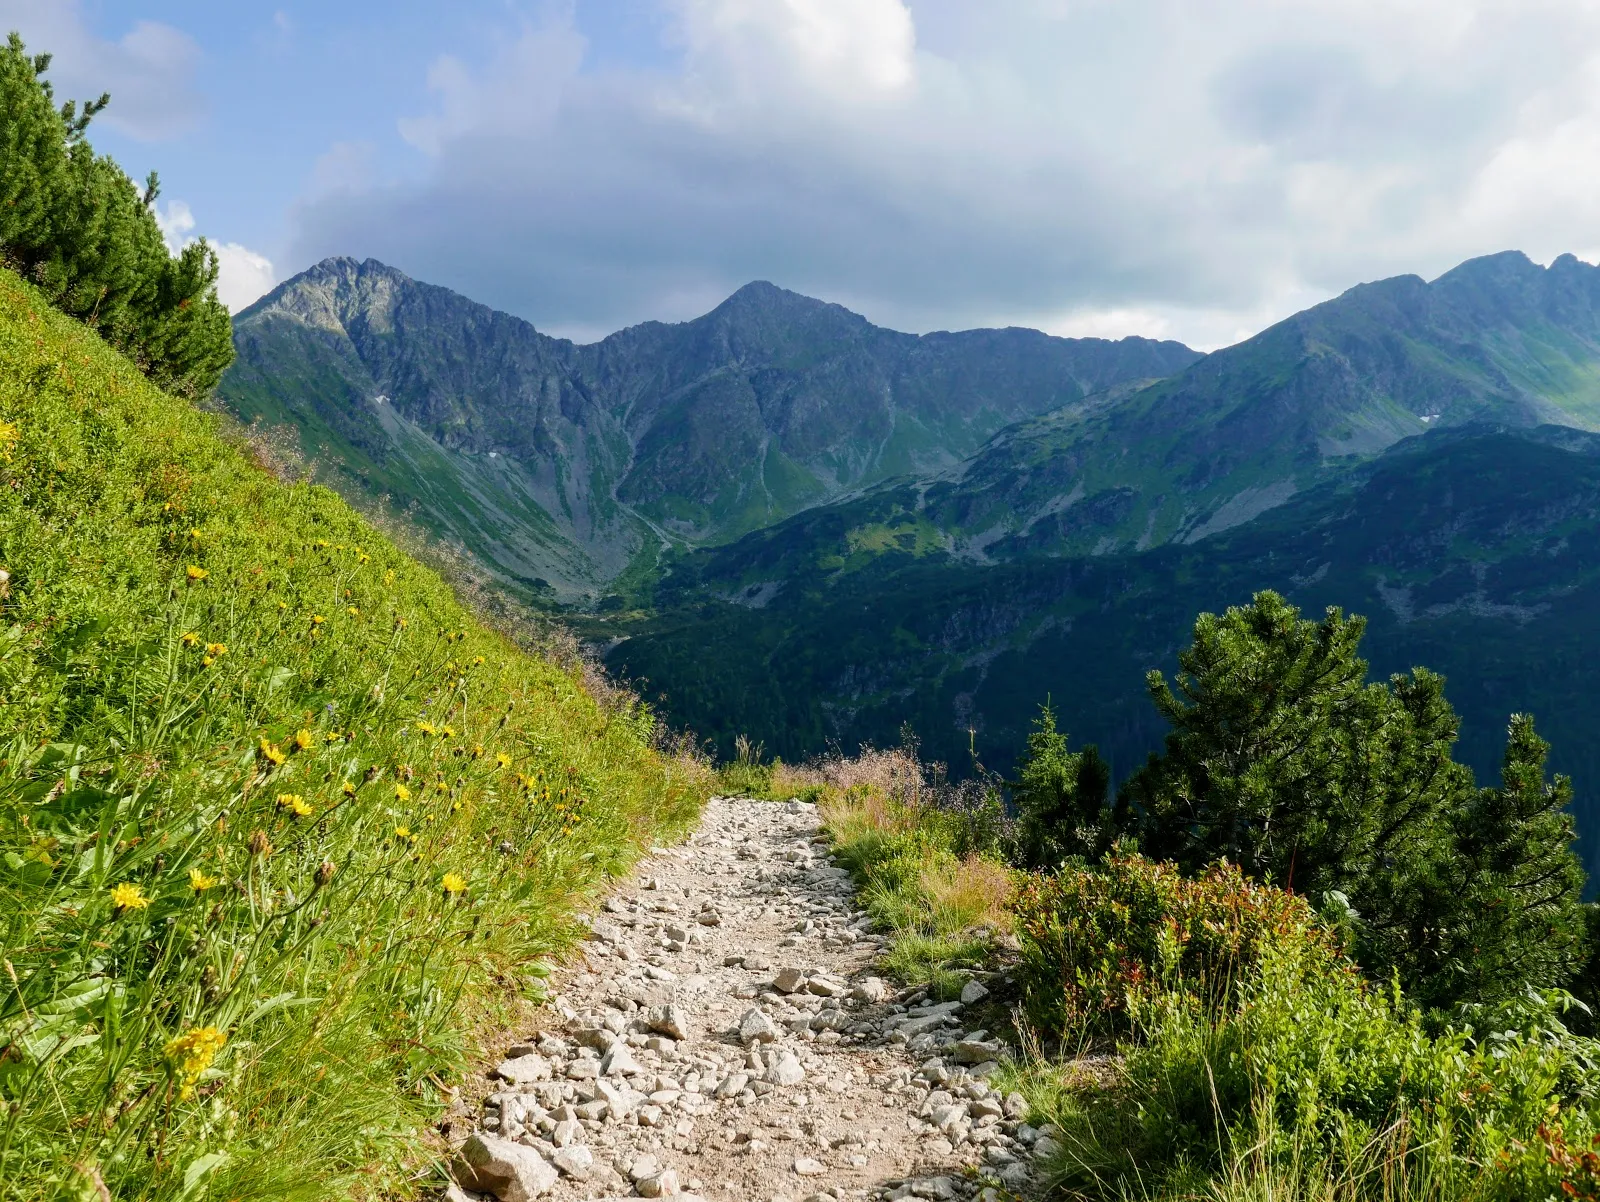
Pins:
<point x="1100" y="943"/>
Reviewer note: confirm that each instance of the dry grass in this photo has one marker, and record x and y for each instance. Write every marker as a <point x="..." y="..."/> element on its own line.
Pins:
<point x="969" y="893"/>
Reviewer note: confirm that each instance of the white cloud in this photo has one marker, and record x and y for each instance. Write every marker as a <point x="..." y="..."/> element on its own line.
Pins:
<point x="243" y="275"/>
<point x="149" y="70"/>
<point x="1137" y="165"/>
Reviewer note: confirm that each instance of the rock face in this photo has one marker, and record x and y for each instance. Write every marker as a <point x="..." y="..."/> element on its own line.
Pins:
<point x="769" y="403"/>
<point x="833" y="1086"/>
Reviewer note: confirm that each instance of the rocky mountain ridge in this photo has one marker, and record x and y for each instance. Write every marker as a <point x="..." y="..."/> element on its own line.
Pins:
<point x="566" y="464"/>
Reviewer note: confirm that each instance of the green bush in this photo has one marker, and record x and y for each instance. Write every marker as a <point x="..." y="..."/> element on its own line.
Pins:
<point x="1099" y="944"/>
<point x="279" y="820"/>
<point x="76" y="226"/>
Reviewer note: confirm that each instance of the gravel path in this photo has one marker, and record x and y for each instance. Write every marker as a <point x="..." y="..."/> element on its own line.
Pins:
<point x="724" y="1037"/>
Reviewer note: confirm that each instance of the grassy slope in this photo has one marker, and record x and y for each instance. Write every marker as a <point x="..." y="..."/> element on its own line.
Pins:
<point x="328" y="948"/>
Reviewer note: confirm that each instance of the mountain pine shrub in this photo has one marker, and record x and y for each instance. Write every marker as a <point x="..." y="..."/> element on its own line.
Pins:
<point x="278" y="818"/>
<point x="1284" y="760"/>
<point x="78" y="228"/>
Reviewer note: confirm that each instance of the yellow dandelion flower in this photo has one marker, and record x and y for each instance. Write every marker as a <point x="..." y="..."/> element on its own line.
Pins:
<point x="477" y="751"/>
<point x="401" y="793"/>
<point x="426" y="728"/>
<point x="504" y="761"/>
<point x="283" y="605"/>
<point x="271" y="752"/>
<point x="199" y="881"/>
<point x="191" y="1054"/>
<point x="321" y="542"/>
<point x="449" y="732"/>
<point x="128" y="896"/>
<point x="332" y="736"/>
<point x="317" y="619"/>
<point x="352" y="611"/>
<point x="454" y="883"/>
<point x="388" y="577"/>
<point x="295" y="804"/>
<point x="477" y="661"/>
<point x="194" y="533"/>
<point x="402" y="832"/>
<point x="207" y="661"/>
<point x="195" y="573"/>
<point x="400" y="623"/>
<point x="190" y="639"/>
<point x="348" y="789"/>
<point x="303" y="739"/>
<point x="216" y="650"/>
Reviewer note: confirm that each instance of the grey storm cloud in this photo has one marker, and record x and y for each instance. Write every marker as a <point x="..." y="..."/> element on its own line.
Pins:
<point x="1186" y="169"/>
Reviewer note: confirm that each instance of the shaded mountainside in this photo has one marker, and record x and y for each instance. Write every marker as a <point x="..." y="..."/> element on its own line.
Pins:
<point x="1497" y="339"/>
<point x="1473" y="551"/>
<point x="562" y="465"/>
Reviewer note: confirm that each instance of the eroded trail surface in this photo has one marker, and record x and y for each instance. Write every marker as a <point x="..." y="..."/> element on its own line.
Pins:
<point x="725" y="1037"/>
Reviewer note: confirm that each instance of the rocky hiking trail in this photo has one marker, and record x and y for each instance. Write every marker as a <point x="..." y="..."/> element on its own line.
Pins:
<point x="723" y="1036"/>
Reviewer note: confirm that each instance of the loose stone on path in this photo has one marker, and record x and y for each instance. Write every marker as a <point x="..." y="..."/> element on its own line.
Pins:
<point x="724" y="1036"/>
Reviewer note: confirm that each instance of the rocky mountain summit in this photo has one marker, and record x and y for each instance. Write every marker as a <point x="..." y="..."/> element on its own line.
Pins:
<point x="725" y="1036"/>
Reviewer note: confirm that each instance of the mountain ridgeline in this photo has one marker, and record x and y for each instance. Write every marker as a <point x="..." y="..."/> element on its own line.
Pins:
<point x="563" y="465"/>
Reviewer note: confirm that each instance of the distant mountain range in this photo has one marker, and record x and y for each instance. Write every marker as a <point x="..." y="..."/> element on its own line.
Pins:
<point x="561" y="467"/>
<point x="795" y="525"/>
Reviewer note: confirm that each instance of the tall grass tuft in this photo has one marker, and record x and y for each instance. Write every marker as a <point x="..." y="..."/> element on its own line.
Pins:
<point x="277" y="814"/>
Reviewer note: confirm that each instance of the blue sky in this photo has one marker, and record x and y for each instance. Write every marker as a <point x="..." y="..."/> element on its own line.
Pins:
<point x="1180" y="168"/>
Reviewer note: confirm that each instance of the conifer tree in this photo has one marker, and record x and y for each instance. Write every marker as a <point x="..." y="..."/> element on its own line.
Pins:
<point x="1061" y="796"/>
<point x="76" y="226"/>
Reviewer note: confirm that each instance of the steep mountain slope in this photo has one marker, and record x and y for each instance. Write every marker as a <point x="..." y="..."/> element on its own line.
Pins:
<point x="1473" y="551"/>
<point x="1497" y="339"/>
<point x="562" y="464"/>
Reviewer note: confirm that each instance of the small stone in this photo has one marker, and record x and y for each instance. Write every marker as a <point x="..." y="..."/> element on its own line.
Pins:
<point x="871" y="989"/>
<point x="938" y="1146"/>
<point x="642" y="1167"/>
<point x="973" y="992"/>
<point x="510" y="1171"/>
<point x="567" y="1131"/>
<point x="823" y="987"/>
<point x="668" y="1020"/>
<point x="574" y="1161"/>
<point x="522" y="1069"/>
<point x="786" y="1070"/>
<point x="940" y="1188"/>
<point x="976" y="1051"/>
<point x="807" y="1167"/>
<point x="733" y="1085"/>
<point x="619" y="1062"/>
<point x="788" y="980"/>
<point x="663" y="1185"/>
<point x="756" y="962"/>
<point x="755" y="1027"/>
<point x="1016" y="1105"/>
<point x="1045" y="1148"/>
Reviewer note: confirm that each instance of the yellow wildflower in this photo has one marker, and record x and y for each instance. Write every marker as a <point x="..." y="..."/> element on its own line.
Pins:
<point x="454" y="883"/>
<point x="194" y="533"/>
<point x="332" y="736"/>
<point x="303" y="739"/>
<point x="294" y="803"/>
<point x="216" y="650"/>
<point x="128" y="896"/>
<point x="190" y="1054"/>
<point x="352" y="611"/>
<point x="427" y="728"/>
<point x="194" y="572"/>
<point x="199" y="881"/>
<point x="9" y="437"/>
<point x="449" y="732"/>
<point x="388" y="577"/>
<point x="402" y="832"/>
<point x="502" y="759"/>
<point x="401" y="793"/>
<point x="348" y="789"/>
<point x="190" y="639"/>
<point x="317" y="619"/>
<point x="477" y="751"/>
<point x="477" y="661"/>
<point x="400" y="623"/>
<point x="272" y="753"/>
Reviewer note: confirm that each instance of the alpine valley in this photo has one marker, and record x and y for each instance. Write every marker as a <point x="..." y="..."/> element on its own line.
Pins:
<point x="795" y="525"/>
